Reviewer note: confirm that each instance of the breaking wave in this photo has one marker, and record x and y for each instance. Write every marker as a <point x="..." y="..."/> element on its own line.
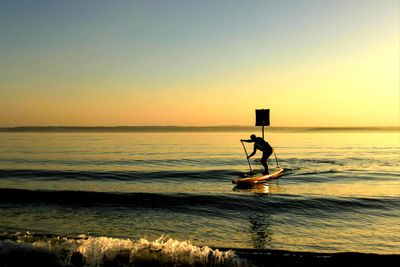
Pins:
<point x="26" y="249"/>
<point x="108" y="251"/>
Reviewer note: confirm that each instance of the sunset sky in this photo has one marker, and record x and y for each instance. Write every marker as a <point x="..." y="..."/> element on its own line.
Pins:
<point x="111" y="63"/>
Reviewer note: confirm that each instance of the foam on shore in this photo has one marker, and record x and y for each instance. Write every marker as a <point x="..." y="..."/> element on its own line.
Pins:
<point x="25" y="249"/>
<point x="100" y="251"/>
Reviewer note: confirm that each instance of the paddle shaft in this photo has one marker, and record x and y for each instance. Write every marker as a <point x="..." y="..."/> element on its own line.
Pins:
<point x="247" y="156"/>
<point x="276" y="159"/>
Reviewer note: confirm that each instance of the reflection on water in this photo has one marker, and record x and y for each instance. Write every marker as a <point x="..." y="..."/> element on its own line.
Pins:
<point x="260" y="230"/>
<point x="262" y="188"/>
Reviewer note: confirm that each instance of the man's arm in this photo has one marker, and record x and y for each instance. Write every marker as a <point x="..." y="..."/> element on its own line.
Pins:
<point x="252" y="153"/>
<point x="246" y="140"/>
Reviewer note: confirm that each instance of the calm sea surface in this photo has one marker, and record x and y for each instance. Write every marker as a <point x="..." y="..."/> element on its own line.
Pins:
<point x="340" y="191"/>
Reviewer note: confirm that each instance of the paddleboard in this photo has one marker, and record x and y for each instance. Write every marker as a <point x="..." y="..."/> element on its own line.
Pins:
<point x="259" y="179"/>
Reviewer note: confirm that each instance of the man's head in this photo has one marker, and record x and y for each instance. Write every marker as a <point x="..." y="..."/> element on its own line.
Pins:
<point x="253" y="137"/>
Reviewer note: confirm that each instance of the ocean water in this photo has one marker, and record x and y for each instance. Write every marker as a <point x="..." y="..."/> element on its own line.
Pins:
<point x="112" y="191"/>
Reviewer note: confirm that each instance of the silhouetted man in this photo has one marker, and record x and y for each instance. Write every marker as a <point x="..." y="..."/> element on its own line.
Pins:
<point x="263" y="146"/>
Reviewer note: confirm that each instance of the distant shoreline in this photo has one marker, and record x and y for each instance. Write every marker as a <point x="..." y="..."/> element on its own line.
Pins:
<point x="189" y="129"/>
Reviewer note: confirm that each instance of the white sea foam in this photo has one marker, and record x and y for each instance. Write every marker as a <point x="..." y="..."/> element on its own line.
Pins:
<point x="162" y="252"/>
<point x="99" y="251"/>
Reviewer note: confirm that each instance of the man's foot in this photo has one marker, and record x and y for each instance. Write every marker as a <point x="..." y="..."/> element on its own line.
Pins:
<point x="265" y="172"/>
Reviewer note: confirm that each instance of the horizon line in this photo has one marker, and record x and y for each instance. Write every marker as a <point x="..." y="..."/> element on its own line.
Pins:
<point x="181" y="128"/>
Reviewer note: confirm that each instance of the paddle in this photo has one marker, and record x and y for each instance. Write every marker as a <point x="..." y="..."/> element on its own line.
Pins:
<point x="276" y="159"/>
<point x="247" y="156"/>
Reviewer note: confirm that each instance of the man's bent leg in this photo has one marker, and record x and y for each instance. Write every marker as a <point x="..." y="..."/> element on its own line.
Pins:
<point x="264" y="163"/>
